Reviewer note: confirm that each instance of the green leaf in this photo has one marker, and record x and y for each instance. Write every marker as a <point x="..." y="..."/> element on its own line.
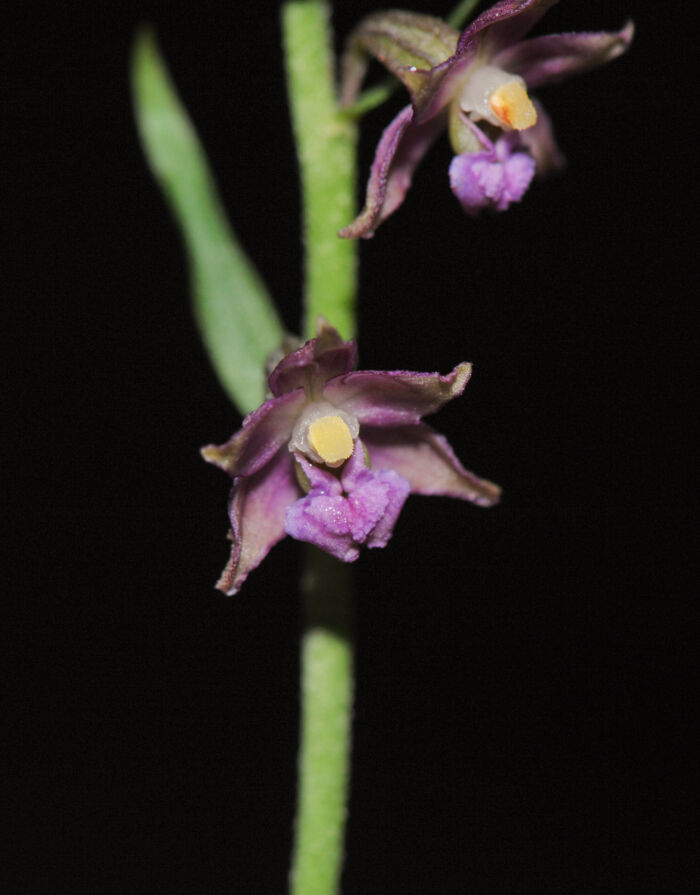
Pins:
<point x="236" y="316"/>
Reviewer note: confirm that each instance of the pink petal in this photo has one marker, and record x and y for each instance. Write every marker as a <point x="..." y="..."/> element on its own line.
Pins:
<point x="262" y="434"/>
<point x="379" y="398"/>
<point x="493" y="178"/>
<point x="427" y="461"/>
<point x="556" y="57"/>
<point x="316" y="361"/>
<point x="502" y="25"/>
<point x="400" y="150"/>
<point x="256" y="511"/>
<point x="340" y="520"/>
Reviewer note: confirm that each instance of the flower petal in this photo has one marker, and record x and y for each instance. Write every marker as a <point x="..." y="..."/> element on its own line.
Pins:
<point x="377" y="498"/>
<point x="379" y="398"/>
<point x="492" y="178"/>
<point x="427" y="461"/>
<point x="263" y="433"/>
<point x="256" y="511"/>
<point x="340" y="523"/>
<point x="555" y="57"/>
<point x="321" y="480"/>
<point x="401" y="148"/>
<point x="323" y="520"/>
<point x="317" y="360"/>
<point x="501" y="25"/>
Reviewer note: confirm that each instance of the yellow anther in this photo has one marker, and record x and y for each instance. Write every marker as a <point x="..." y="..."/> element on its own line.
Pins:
<point x="512" y="106"/>
<point x="330" y="437"/>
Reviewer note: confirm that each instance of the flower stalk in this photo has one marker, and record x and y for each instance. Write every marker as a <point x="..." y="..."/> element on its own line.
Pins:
<point x="326" y="146"/>
<point x="326" y="696"/>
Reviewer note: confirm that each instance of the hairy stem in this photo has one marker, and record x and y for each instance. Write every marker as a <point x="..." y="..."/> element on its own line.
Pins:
<point x="326" y="696"/>
<point x="326" y="146"/>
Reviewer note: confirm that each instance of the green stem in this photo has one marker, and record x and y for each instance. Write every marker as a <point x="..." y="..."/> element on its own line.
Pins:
<point x="326" y="144"/>
<point x="326" y="698"/>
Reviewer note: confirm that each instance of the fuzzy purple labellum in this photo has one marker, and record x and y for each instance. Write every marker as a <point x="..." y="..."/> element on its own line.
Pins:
<point x="343" y="512"/>
<point x="494" y="177"/>
<point x="474" y="85"/>
<point x="332" y="455"/>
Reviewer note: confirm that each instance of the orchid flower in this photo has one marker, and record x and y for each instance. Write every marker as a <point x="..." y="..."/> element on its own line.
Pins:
<point x="474" y="85"/>
<point x="332" y="455"/>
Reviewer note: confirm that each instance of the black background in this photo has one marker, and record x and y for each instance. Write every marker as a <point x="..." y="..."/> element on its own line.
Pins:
<point x="526" y="682"/>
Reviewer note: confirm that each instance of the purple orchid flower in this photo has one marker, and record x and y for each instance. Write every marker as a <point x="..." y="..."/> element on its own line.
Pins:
<point x="456" y="80"/>
<point x="300" y="468"/>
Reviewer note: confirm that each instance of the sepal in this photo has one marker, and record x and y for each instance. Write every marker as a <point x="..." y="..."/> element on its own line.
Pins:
<point x="408" y="44"/>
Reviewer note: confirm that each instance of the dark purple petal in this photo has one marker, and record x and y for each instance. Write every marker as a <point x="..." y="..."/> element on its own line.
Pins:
<point x="379" y="398"/>
<point x="340" y="523"/>
<point x="492" y="178"/>
<point x="498" y="27"/>
<point x="555" y="57"/>
<point x="501" y="25"/>
<point x="427" y="461"/>
<point x="263" y="433"/>
<point x="256" y="510"/>
<point x="540" y="142"/>
<point x="399" y="152"/>
<point x="316" y="361"/>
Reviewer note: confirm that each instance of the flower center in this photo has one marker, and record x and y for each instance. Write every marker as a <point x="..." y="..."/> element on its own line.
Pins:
<point x="330" y="437"/>
<point x="324" y="434"/>
<point x="512" y="106"/>
<point x="499" y="97"/>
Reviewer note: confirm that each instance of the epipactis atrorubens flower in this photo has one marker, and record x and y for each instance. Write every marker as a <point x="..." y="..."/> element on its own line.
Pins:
<point x="474" y="85"/>
<point x="332" y="455"/>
